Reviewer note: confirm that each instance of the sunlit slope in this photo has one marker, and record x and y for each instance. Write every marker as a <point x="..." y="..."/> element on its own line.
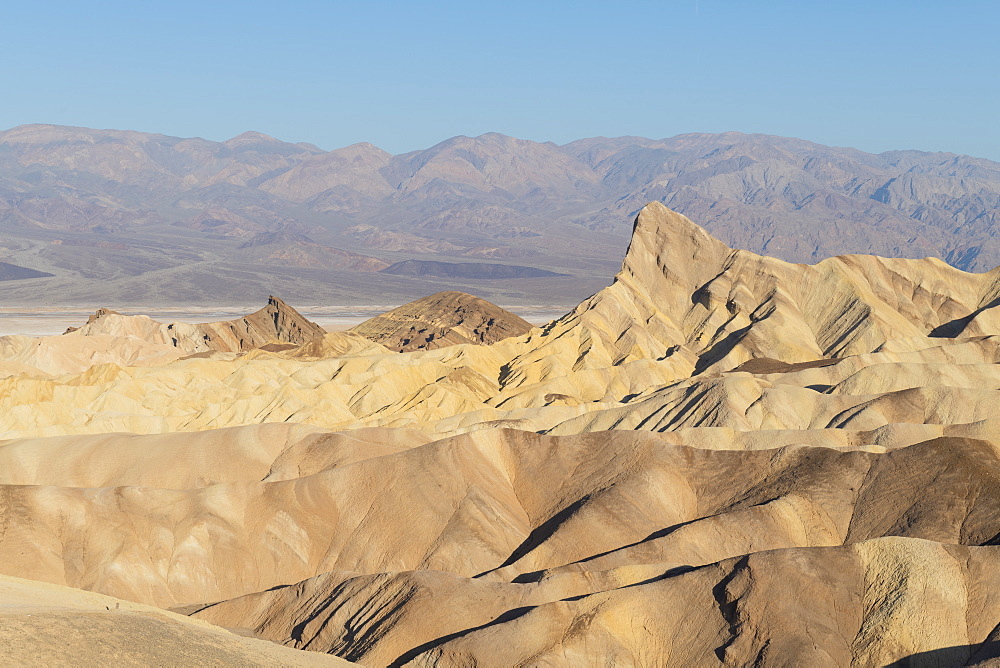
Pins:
<point x="46" y="625"/>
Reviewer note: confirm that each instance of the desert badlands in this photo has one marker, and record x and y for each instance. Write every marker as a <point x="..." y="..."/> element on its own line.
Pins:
<point x="721" y="459"/>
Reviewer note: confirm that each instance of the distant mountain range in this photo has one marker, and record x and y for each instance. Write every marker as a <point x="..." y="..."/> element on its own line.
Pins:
<point x="145" y="218"/>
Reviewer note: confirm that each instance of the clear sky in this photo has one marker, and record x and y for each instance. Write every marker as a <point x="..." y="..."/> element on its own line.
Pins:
<point x="877" y="75"/>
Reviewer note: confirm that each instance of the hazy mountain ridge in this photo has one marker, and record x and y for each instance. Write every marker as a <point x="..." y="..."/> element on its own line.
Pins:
<point x="177" y="202"/>
<point x="802" y="201"/>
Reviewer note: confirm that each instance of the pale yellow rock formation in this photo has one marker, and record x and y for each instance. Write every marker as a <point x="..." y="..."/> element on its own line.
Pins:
<point x="48" y="355"/>
<point x="644" y="353"/>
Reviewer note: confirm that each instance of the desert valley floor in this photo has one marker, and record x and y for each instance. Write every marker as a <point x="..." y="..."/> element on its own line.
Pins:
<point x="720" y="459"/>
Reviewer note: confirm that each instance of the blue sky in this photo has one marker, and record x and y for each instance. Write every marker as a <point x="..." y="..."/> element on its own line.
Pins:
<point x="405" y="75"/>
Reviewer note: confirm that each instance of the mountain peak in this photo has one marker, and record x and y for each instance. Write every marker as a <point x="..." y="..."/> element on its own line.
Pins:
<point x="251" y="137"/>
<point x="664" y="241"/>
<point x="362" y="148"/>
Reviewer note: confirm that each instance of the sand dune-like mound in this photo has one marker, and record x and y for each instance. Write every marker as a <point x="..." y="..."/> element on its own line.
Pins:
<point x="720" y="459"/>
<point x="342" y="381"/>
<point x="332" y="344"/>
<point x="442" y="319"/>
<point x="45" y="356"/>
<point x="47" y="625"/>
<point x="542" y="507"/>
<point x="871" y="603"/>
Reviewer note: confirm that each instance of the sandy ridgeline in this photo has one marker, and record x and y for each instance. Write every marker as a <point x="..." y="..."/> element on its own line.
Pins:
<point x="720" y="459"/>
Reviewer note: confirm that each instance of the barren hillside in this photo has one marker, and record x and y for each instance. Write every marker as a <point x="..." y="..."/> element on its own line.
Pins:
<point x="722" y="458"/>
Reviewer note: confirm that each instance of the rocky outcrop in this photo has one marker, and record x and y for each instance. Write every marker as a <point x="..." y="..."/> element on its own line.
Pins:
<point x="442" y="319"/>
<point x="96" y="315"/>
<point x="683" y="295"/>
<point x="275" y="322"/>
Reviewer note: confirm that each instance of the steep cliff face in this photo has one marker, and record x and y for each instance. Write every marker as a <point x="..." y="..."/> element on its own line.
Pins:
<point x="275" y="322"/>
<point x="682" y="293"/>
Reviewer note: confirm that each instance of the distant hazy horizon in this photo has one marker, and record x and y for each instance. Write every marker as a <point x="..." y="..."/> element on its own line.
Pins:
<point x="443" y="140"/>
<point x="876" y="77"/>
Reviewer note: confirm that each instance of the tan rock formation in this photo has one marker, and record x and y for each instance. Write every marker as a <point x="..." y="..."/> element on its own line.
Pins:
<point x="871" y="604"/>
<point x="683" y="292"/>
<point x="543" y="507"/>
<point x="41" y="357"/>
<point x="275" y="322"/>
